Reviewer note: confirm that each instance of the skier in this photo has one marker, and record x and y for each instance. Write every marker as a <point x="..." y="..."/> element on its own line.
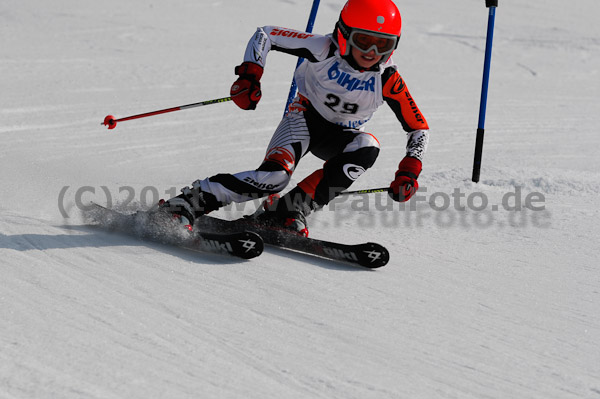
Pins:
<point x="346" y="76"/>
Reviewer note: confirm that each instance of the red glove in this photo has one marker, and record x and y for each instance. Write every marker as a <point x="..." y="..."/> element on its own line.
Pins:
<point x="405" y="184"/>
<point x="245" y="91"/>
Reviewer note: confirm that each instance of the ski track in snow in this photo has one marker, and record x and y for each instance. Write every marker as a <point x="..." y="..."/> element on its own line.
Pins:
<point x="489" y="303"/>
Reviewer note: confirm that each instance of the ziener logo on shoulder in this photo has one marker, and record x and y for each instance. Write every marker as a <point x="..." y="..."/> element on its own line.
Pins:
<point x="290" y="33"/>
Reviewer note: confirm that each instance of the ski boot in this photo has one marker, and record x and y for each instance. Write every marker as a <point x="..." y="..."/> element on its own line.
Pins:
<point x="189" y="205"/>
<point x="278" y="213"/>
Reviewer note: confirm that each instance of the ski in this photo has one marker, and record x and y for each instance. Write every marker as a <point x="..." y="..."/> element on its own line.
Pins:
<point x="370" y="255"/>
<point x="240" y="243"/>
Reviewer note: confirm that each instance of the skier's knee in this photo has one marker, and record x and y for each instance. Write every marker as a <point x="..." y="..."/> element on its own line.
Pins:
<point x="279" y="179"/>
<point x="281" y="157"/>
<point x="363" y="140"/>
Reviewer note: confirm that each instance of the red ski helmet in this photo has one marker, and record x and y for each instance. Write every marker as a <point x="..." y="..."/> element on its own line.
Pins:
<point x="378" y="18"/>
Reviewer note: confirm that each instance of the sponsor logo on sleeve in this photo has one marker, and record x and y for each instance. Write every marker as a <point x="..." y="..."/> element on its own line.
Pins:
<point x="398" y="86"/>
<point x="290" y="33"/>
<point x="414" y="108"/>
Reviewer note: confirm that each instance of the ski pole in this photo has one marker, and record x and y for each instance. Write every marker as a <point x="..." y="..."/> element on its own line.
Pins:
<point x="366" y="191"/>
<point x="309" y="28"/>
<point x="111" y="122"/>
<point x="492" y="5"/>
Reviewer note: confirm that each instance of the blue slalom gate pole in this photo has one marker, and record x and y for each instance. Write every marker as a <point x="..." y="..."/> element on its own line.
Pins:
<point x="309" y="28"/>
<point x="492" y="5"/>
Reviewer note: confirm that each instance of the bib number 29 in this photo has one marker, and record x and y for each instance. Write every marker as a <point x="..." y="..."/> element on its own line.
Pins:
<point x="334" y="103"/>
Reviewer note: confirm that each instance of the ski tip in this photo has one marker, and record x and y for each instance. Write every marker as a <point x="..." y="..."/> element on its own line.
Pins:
<point x="244" y="244"/>
<point x="373" y="255"/>
<point x="252" y="245"/>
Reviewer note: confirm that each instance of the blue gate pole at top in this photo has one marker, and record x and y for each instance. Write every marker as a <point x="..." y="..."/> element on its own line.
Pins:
<point x="492" y="5"/>
<point x="309" y="28"/>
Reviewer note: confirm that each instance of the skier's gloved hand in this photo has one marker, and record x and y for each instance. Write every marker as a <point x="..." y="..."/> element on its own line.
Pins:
<point x="405" y="184"/>
<point x="245" y="91"/>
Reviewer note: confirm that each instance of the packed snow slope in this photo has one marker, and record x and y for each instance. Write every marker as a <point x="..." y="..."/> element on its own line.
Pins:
<point x="493" y="288"/>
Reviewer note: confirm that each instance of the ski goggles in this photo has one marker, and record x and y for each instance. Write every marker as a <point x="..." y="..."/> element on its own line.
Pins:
<point x="366" y="41"/>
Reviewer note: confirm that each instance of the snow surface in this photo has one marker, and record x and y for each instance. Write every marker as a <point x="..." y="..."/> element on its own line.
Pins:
<point x="474" y="304"/>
